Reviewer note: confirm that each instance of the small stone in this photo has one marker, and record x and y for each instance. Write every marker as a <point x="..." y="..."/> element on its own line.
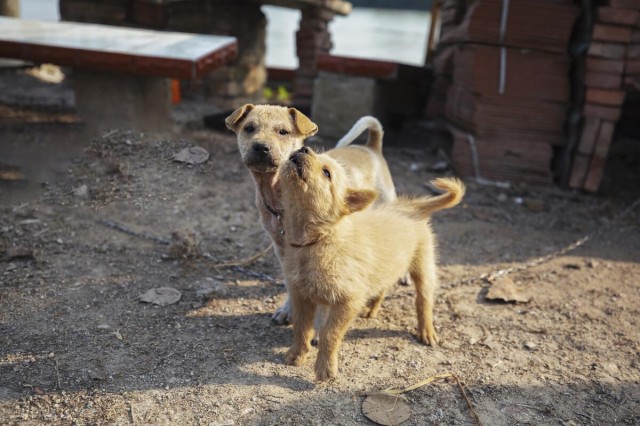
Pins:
<point x="535" y="205"/>
<point x="530" y="345"/>
<point x="82" y="191"/>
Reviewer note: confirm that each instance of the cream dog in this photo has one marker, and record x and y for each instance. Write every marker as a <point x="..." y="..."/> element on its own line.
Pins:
<point x="342" y="256"/>
<point x="268" y="134"/>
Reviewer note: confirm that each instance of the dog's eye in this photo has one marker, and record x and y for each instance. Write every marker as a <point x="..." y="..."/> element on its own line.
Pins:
<point x="249" y="128"/>
<point x="327" y="173"/>
<point x="283" y="132"/>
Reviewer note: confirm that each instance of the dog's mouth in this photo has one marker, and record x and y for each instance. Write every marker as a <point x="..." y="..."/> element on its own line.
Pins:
<point x="299" y="162"/>
<point x="261" y="165"/>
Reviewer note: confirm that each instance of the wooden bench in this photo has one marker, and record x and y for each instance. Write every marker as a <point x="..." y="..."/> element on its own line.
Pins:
<point x="121" y="75"/>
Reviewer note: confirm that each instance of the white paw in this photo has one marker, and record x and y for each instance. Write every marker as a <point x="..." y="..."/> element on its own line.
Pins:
<point x="282" y="315"/>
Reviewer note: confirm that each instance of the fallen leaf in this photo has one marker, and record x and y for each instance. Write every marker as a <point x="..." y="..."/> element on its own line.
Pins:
<point x="385" y="409"/>
<point x="505" y="290"/>
<point x="38" y="391"/>
<point x="192" y="155"/>
<point x="161" y="296"/>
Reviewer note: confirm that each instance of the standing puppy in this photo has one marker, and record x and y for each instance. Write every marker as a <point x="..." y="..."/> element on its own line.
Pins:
<point x="343" y="256"/>
<point x="268" y="134"/>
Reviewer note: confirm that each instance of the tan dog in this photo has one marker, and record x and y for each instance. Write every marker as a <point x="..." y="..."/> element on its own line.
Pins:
<point x="268" y="134"/>
<point x="343" y="256"/>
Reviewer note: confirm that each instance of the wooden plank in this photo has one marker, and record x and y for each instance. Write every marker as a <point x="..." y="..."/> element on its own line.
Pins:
<point x="599" y="158"/>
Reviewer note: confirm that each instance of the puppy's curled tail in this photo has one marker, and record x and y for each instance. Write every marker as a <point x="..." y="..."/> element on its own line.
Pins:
<point x="423" y="207"/>
<point x="374" y="141"/>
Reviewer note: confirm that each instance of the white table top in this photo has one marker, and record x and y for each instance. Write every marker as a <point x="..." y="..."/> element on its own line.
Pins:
<point x="96" y="39"/>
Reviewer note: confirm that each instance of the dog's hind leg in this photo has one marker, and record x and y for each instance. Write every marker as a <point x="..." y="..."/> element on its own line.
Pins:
<point x="373" y="306"/>
<point x="423" y="275"/>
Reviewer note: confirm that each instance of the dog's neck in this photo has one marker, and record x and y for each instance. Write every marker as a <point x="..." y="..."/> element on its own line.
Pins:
<point x="301" y="231"/>
<point x="268" y="190"/>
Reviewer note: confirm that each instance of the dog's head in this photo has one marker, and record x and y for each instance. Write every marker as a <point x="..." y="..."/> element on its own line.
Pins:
<point x="268" y="134"/>
<point x="316" y="186"/>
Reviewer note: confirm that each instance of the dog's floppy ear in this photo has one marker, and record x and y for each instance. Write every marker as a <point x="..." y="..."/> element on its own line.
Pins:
<point x="305" y="126"/>
<point x="360" y="199"/>
<point x="237" y="116"/>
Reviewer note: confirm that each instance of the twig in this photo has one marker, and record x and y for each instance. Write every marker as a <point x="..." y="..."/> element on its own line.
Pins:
<point x="245" y="261"/>
<point x="128" y="231"/>
<point x="243" y="270"/>
<point x="55" y="359"/>
<point x="399" y="392"/>
<point x="543" y="259"/>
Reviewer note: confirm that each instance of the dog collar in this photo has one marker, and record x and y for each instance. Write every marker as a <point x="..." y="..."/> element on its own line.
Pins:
<point x="276" y="214"/>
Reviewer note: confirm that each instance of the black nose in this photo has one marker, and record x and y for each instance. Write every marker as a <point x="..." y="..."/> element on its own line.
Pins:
<point x="260" y="147"/>
<point x="305" y="150"/>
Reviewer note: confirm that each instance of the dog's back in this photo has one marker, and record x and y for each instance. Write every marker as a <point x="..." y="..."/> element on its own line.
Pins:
<point x="367" y="166"/>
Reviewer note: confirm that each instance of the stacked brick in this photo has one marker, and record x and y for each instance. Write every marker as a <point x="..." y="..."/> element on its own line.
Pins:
<point x="312" y="41"/>
<point x="611" y="66"/>
<point x="503" y="85"/>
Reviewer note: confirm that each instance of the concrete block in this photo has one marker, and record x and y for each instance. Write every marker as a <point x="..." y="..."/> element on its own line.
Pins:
<point x="112" y="100"/>
<point x="339" y="101"/>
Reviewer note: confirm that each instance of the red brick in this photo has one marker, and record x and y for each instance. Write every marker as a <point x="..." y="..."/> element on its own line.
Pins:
<point x="612" y="33"/>
<point x="605" y="97"/>
<point x="605" y="112"/>
<point x="633" y="51"/>
<point x="605" y="65"/>
<point x="633" y="66"/>
<point x="590" y="128"/>
<point x="579" y="171"/>
<point x="607" y="50"/>
<point x="603" y="80"/>
<point x="625" y="4"/>
<point x="612" y="15"/>
<point x="357" y="67"/>
<point x="599" y="158"/>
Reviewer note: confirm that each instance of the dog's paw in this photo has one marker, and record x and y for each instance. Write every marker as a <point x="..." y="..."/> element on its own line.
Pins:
<point x="282" y="315"/>
<point x="406" y="280"/>
<point x="429" y="337"/>
<point x="326" y="372"/>
<point x="295" y="357"/>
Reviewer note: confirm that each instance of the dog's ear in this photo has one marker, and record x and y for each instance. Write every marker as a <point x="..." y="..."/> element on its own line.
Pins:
<point x="237" y="116"/>
<point x="305" y="126"/>
<point x="359" y="199"/>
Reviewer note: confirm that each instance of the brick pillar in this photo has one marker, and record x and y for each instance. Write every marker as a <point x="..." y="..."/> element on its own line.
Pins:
<point x="10" y="8"/>
<point x="312" y="39"/>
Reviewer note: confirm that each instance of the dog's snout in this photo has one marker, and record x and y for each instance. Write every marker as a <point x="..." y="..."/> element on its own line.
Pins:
<point x="305" y="150"/>
<point x="260" y="148"/>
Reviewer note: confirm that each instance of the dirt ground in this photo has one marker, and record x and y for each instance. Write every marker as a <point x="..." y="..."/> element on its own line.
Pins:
<point x="78" y="347"/>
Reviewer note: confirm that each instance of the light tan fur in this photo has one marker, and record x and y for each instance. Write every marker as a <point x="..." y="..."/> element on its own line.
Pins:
<point x="343" y="257"/>
<point x="268" y="134"/>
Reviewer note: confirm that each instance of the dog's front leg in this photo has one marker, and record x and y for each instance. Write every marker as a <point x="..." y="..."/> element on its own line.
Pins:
<point x="282" y="315"/>
<point x="331" y="336"/>
<point x="303" y="312"/>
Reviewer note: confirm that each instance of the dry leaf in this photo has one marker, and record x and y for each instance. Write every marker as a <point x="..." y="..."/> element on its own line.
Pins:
<point x="161" y="296"/>
<point x="192" y="155"/>
<point x="386" y="409"/>
<point x="505" y="290"/>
